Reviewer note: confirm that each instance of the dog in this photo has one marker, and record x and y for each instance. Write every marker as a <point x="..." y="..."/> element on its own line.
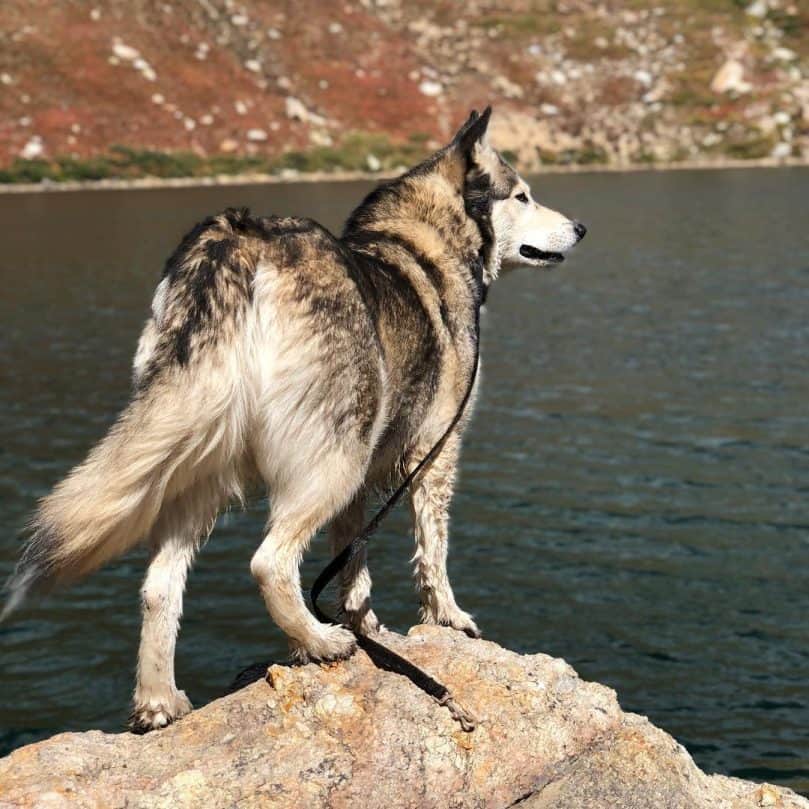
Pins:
<point x="320" y="368"/>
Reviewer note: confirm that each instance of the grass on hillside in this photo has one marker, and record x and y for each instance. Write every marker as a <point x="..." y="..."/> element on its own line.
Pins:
<point x="124" y="162"/>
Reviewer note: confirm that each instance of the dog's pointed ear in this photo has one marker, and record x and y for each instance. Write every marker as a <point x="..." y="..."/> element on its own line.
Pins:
<point x="473" y="132"/>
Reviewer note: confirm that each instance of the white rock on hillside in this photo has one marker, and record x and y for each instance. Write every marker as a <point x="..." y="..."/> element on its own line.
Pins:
<point x="730" y="79"/>
<point x="296" y="110"/>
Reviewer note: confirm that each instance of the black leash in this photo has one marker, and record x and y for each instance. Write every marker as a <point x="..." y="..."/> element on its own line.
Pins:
<point x="383" y="657"/>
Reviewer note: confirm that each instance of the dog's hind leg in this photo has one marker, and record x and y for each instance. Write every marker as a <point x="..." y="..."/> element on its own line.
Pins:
<point x="355" y="581"/>
<point x="157" y="702"/>
<point x="310" y="499"/>
<point x="180" y="527"/>
<point x="430" y="501"/>
<point x="275" y="567"/>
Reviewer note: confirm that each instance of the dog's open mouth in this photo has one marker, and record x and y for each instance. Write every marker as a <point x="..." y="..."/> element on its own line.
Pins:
<point x="526" y="251"/>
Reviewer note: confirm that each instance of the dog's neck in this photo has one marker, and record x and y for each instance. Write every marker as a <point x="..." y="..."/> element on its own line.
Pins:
<point x="436" y="214"/>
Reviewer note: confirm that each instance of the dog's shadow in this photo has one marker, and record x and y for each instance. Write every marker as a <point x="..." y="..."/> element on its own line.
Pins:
<point x="252" y="674"/>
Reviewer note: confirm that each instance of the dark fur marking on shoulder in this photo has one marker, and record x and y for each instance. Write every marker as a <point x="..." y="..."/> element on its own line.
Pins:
<point x="425" y="357"/>
<point x="370" y="239"/>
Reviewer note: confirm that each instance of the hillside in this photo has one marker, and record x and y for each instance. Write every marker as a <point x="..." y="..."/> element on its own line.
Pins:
<point x="192" y="87"/>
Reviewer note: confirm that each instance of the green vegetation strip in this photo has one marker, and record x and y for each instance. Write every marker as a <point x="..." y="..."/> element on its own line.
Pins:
<point x="357" y="152"/>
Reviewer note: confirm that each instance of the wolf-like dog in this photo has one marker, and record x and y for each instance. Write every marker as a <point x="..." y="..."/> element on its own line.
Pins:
<point x="322" y="368"/>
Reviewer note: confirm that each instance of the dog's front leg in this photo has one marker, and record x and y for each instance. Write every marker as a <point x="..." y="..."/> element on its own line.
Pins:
<point x="355" y="580"/>
<point x="430" y="500"/>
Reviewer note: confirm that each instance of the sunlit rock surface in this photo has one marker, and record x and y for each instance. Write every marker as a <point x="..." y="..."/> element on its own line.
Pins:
<point x="350" y="735"/>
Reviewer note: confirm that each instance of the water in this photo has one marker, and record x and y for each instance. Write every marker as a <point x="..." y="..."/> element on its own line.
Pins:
<point x="635" y="484"/>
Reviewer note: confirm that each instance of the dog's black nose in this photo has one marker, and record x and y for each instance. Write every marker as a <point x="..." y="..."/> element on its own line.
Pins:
<point x="579" y="229"/>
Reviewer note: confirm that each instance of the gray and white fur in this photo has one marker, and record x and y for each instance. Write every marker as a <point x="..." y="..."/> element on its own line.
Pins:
<point x="316" y="367"/>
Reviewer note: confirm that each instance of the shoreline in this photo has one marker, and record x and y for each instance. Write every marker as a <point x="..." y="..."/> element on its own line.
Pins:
<point x="155" y="183"/>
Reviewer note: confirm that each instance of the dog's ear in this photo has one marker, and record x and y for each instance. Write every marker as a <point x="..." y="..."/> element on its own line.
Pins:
<point x="473" y="116"/>
<point x="473" y="133"/>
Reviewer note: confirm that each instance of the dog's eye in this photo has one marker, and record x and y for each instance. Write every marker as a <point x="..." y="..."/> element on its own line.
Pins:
<point x="522" y="197"/>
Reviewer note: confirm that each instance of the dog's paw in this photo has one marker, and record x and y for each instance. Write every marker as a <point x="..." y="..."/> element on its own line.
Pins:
<point x="331" y="643"/>
<point x="159" y="712"/>
<point x="364" y="623"/>
<point x="455" y="618"/>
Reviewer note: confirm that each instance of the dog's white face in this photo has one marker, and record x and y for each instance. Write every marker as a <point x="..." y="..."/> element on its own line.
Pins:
<point x="522" y="232"/>
<point x="529" y="235"/>
<point x="526" y="233"/>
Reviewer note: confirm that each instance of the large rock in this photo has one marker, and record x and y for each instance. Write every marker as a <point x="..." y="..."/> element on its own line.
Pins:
<point x="350" y="735"/>
<point x="730" y="78"/>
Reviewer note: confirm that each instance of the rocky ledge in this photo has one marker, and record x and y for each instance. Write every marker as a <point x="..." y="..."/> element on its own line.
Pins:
<point x="350" y="735"/>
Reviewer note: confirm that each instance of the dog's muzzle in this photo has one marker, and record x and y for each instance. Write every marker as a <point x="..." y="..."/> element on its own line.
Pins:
<point x="552" y="256"/>
<point x="534" y="253"/>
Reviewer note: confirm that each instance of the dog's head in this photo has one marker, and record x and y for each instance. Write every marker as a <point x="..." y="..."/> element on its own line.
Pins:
<point x="517" y="230"/>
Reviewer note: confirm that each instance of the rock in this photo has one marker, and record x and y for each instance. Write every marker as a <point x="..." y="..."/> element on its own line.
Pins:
<point x="256" y="135"/>
<point x="758" y="8"/>
<point x="730" y="79"/>
<point x="766" y="795"/>
<point x="783" y="54"/>
<point x="125" y="52"/>
<point x="349" y="734"/>
<point x="431" y="89"/>
<point x="296" y="110"/>
<point x="558" y="77"/>
<point x="657" y="93"/>
<point x="33" y="148"/>
<point x="767" y="124"/>
<point x="319" y="137"/>
<point x="507" y="88"/>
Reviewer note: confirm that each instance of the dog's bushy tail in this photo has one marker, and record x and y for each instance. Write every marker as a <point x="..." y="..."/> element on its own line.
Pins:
<point x="109" y="503"/>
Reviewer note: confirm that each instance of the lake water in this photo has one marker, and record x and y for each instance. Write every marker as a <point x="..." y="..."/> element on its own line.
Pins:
<point x="635" y="483"/>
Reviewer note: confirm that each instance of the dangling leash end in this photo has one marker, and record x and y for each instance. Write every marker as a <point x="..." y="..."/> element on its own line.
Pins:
<point x="465" y="718"/>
